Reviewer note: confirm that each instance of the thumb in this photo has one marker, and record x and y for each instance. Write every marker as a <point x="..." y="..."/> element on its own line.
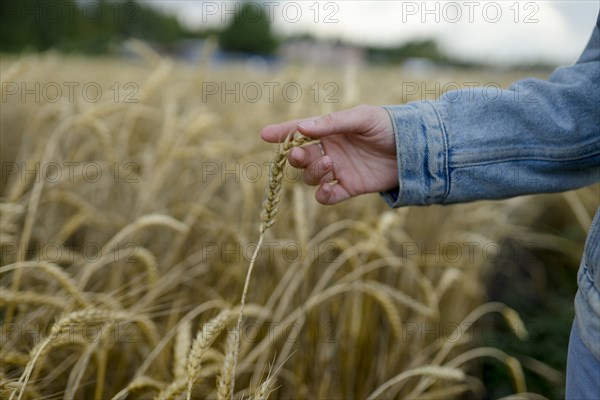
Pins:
<point x="359" y="119"/>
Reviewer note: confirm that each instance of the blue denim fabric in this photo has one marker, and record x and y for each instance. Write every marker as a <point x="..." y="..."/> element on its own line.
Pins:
<point x="536" y="136"/>
<point x="583" y="374"/>
<point x="587" y="299"/>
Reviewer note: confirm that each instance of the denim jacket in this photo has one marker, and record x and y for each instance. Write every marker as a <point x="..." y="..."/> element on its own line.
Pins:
<point x="536" y="136"/>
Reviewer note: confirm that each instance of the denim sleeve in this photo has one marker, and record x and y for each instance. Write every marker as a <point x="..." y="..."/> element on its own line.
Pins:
<point x="536" y="136"/>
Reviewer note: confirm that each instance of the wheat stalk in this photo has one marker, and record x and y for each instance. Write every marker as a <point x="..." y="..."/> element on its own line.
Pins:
<point x="173" y="391"/>
<point x="7" y="296"/>
<point x="183" y="342"/>
<point x="142" y="222"/>
<point x="268" y="215"/>
<point x="224" y="389"/>
<point x="143" y="383"/>
<point x="510" y="315"/>
<point x="204" y="339"/>
<point x="57" y="331"/>
<point x="387" y="304"/>
<point x="512" y="363"/>
<point x="434" y="371"/>
<point x="54" y="271"/>
<point x="199" y="351"/>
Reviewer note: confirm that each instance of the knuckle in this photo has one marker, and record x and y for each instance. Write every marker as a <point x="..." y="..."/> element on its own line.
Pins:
<point x="330" y="118"/>
<point x="370" y="115"/>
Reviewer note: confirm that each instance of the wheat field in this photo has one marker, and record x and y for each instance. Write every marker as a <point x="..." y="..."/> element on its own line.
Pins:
<point x="129" y="223"/>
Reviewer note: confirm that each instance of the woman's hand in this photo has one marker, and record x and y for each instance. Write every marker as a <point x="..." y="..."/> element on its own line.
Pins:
<point x="357" y="151"/>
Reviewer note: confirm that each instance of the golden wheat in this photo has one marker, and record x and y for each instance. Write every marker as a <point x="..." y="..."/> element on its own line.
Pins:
<point x="204" y="339"/>
<point x="183" y="341"/>
<point x="155" y="250"/>
<point x="57" y="336"/>
<point x="272" y="197"/>
<point x="224" y="390"/>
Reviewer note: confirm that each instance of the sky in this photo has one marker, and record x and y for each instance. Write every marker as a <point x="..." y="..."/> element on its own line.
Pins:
<point x="504" y="32"/>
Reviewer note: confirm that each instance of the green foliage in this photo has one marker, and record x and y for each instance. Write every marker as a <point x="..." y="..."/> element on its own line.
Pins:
<point x="540" y="284"/>
<point x="249" y="32"/>
<point x="418" y="49"/>
<point x="88" y="27"/>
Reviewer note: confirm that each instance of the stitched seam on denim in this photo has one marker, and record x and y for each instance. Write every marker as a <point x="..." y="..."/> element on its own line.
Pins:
<point x="398" y="159"/>
<point x="446" y="156"/>
<point x="513" y="159"/>
<point x="592" y="243"/>
<point x="506" y="155"/>
<point x="589" y="277"/>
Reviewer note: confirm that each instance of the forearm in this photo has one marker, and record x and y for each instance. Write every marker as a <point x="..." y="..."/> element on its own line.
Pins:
<point x="537" y="136"/>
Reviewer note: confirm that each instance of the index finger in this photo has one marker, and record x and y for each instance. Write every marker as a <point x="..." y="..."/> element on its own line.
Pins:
<point x="277" y="132"/>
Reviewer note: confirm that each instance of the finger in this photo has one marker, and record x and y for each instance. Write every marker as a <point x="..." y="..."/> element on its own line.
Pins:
<point x="302" y="157"/>
<point x="329" y="194"/>
<point x="354" y="120"/>
<point x="329" y="177"/>
<point x="315" y="172"/>
<point x="277" y="132"/>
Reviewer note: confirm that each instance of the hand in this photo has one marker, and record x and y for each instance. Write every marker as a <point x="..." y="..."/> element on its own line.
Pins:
<point x="358" y="152"/>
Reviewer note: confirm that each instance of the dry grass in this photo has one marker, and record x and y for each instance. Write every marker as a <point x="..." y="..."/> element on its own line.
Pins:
<point x="144" y="301"/>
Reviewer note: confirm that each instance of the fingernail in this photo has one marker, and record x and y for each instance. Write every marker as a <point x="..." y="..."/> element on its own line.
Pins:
<point x="307" y="124"/>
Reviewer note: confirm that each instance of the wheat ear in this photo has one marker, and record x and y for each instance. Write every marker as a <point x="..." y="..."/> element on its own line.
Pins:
<point x="204" y="339"/>
<point x="183" y="342"/>
<point x="266" y="387"/>
<point x="224" y="379"/>
<point x="268" y="215"/>
<point x="55" y="272"/>
<point x="270" y="205"/>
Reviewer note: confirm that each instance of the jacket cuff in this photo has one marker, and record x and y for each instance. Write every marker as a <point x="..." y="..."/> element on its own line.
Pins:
<point x="422" y="154"/>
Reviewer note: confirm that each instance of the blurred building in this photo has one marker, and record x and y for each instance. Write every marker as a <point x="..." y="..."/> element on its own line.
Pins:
<point x="320" y="52"/>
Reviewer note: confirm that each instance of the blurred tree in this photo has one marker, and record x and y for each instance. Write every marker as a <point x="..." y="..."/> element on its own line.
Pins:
<point x="249" y="32"/>
<point x="88" y="27"/>
<point x="146" y="23"/>
<point x="33" y="24"/>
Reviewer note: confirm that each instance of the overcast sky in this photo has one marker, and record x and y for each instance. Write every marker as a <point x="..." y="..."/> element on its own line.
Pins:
<point x="503" y="31"/>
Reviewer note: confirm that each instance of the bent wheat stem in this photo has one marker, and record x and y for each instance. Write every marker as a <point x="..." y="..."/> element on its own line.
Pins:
<point x="268" y="215"/>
